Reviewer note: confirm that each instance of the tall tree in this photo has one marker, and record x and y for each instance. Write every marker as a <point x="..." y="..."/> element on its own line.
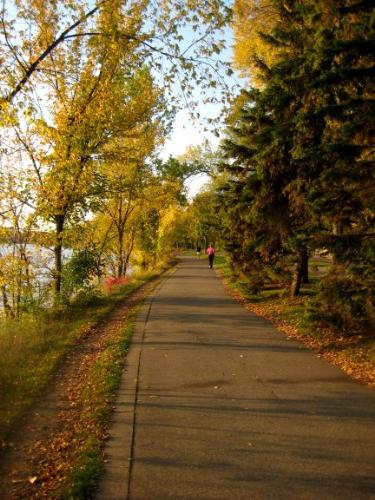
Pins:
<point x="90" y="109"/>
<point x="305" y="140"/>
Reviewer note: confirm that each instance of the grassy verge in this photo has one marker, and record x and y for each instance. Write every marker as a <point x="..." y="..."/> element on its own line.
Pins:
<point x="33" y="347"/>
<point x="97" y="400"/>
<point x="354" y="354"/>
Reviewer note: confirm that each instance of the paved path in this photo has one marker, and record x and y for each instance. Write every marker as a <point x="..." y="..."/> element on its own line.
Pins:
<point x="227" y="408"/>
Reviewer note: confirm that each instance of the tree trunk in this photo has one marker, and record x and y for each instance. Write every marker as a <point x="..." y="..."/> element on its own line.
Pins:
<point x="297" y="277"/>
<point x="120" y="256"/>
<point x="337" y="230"/>
<point x="59" y="227"/>
<point x="99" y="260"/>
<point x="8" y="310"/>
<point x="129" y="252"/>
<point x="17" y="305"/>
<point x="24" y="258"/>
<point x="120" y="265"/>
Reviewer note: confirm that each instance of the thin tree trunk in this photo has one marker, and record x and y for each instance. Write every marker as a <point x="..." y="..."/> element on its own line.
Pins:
<point x="120" y="256"/>
<point x="8" y="310"/>
<point x="24" y="257"/>
<point x="337" y="230"/>
<point x="129" y="252"/>
<point x="297" y="277"/>
<point x="59" y="227"/>
<point x="17" y="306"/>
<point x="101" y="251"/>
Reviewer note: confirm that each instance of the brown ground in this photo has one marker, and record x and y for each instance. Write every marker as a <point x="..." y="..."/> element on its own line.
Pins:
<point x="40" y="451"/>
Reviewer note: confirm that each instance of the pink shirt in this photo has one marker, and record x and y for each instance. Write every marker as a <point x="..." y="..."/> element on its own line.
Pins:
<point x="210" y="251"/>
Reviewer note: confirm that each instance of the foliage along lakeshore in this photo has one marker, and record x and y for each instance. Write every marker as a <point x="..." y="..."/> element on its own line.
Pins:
<point x="88" y="95"/>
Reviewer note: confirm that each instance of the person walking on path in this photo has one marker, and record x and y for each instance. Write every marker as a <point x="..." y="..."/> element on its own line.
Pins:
<point x="198" y="251"/>
<point x="211" y="254"/>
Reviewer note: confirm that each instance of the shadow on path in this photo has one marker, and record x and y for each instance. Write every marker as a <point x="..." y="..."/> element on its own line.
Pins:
<point x="216" y="404"/>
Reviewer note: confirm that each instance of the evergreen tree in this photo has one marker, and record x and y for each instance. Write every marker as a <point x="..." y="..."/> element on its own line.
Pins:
<point x="278" y="218"/>
<point x="301" y="166"/>
<point x="335" y="149"/>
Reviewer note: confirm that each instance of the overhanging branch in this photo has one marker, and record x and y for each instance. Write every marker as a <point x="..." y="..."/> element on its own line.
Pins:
<point x="61" y="38"/>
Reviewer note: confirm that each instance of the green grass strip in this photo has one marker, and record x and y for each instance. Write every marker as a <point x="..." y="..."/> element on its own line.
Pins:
<point x="98" y="400"/>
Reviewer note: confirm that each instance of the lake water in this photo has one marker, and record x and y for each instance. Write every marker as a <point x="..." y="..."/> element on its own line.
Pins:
<point x="41" y="259"/>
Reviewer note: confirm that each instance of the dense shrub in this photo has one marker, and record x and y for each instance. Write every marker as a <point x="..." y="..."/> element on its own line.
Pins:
<point x="345" y="303"/>
<point x="79" y="274"/>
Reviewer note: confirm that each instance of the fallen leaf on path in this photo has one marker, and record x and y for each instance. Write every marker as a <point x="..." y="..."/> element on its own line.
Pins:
<point x="32" y="479"/>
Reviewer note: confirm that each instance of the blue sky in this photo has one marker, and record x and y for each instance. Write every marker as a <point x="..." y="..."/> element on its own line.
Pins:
<point x="186" y="132"/>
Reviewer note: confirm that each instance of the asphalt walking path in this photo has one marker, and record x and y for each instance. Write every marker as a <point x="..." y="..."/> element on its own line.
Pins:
<point x="216" y="404"/>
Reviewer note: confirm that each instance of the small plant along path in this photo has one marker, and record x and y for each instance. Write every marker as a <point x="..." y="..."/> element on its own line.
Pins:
<point x="225" y="406"/>
<point x="42" y="452"/>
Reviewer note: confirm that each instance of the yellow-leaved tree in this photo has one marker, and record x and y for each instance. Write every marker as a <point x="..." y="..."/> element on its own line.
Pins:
<point x="66" y="75"/>
<point x="124" y="169"/>
<point x="89" y="87"/>
<point x="252" y="19"/>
